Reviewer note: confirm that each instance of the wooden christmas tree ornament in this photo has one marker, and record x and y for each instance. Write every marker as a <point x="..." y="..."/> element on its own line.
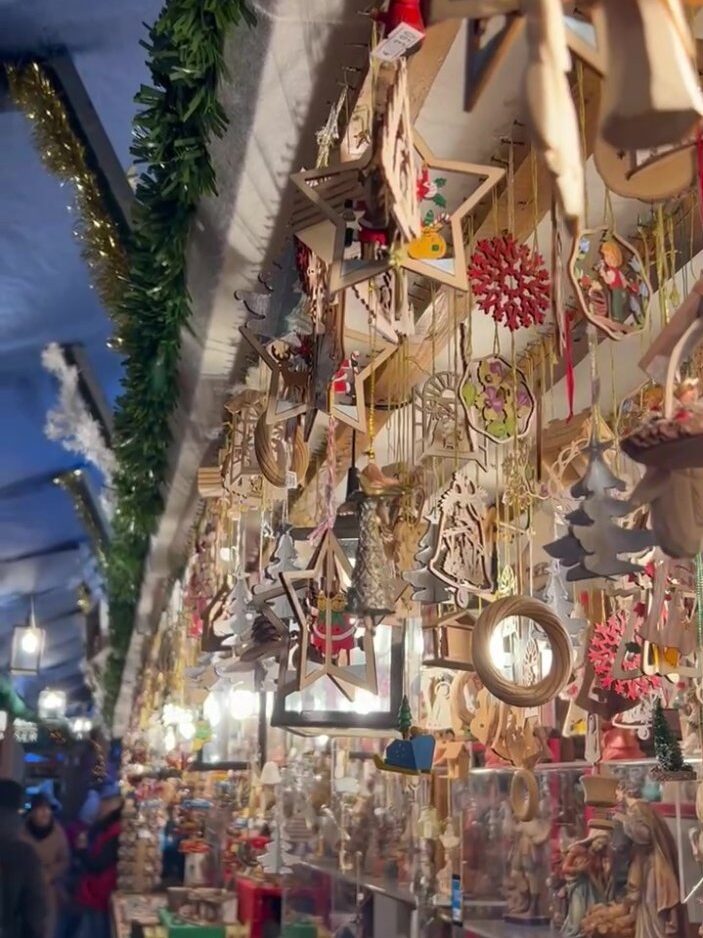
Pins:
<point x="594" y="542"/>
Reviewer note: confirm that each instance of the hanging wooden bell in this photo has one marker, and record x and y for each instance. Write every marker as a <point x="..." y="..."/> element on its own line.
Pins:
<point x="651" y="95"/>
<point x="372" y="583"/>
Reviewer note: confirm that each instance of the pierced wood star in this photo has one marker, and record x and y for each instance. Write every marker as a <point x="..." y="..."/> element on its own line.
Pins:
<point x="353" y="414"/>
<point x="326" y="237"/>
<point x="284" y="381"/>
<point x="319" y="222"/>
<point x="331" y="571"/>
<point x="453" y="271"/>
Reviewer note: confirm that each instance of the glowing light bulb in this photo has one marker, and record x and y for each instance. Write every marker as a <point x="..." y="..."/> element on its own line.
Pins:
<point x="187" y="730"/>
<point x="170" y="739"/>
<point x="364" y="702"/>
<point x="496" y="648"/>
<point x="242" y="704"/>
<point x="30" y="641"/>
<point x="211" y="710"/>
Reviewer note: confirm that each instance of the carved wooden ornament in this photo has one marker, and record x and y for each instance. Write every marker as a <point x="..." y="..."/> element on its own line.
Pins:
<point x="330" y="571"/>
<point x="321" y="225"/>
<point x="461" y="559"/>
<point x="497" y="399"/>
<point x="610" y="283"/>
<point x="451" y="267"/>
<point x="444" y="432"/>
<point x="397" y="158"/>
<point x="348" y="396"/>
<point x="447" y="641"/>
<point x="289" y="388"/>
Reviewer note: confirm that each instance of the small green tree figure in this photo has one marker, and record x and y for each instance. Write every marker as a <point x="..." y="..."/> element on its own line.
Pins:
<point x="670" y="764"/>
<point x="405" y="717"/>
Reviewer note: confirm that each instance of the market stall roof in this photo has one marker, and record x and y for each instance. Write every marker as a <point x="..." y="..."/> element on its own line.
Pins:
<point x="46" y="296"/>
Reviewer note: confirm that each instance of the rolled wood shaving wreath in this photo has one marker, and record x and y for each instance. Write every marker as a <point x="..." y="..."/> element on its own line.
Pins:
<point x="461" y="715"/>
<point x="560" y="671"/>
<point x="301" y="455"/>
<point x="272" y="465"/>
<point x="524" y="795"/>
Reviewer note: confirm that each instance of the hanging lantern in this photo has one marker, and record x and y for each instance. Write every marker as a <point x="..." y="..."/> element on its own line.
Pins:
<point x="52" y="704"/>
<point x="81" y="727"/>
<point x="334" y="707"/>
<point x="27" y="646"/>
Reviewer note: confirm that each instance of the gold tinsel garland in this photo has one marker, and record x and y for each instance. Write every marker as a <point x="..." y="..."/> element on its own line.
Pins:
<point x="73" y="483"/>
<point x="65" y="156"/>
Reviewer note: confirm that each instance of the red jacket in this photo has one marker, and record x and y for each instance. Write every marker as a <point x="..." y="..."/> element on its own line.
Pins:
<point x="99" y="861"/>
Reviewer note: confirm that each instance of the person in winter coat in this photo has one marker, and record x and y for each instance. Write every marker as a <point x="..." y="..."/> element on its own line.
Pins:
<point x="23" y="906"/>
<point x="97" y="855"/>
<point x="46" y="835"/>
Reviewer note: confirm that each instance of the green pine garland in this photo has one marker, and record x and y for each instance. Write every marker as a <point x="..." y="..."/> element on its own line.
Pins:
<point x="178" y="116"/>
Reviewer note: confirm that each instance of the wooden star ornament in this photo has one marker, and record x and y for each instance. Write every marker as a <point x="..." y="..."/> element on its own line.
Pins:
<point x="320" y="223"/>
<point x="288" y="390"/>
<point x="331" y="571"/>
<point x="451" y="264"/>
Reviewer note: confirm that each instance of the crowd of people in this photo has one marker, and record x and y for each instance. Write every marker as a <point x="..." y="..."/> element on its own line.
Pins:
<point x="56" y="882"/>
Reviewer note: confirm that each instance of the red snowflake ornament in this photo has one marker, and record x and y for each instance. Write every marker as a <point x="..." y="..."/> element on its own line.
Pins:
<point x="603" y="647"/>
<point x="510" y="282"/>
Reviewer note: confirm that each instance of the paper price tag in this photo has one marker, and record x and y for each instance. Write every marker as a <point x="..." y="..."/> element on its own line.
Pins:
<point x="398" y="43"/>
<point x="291" y="480"/>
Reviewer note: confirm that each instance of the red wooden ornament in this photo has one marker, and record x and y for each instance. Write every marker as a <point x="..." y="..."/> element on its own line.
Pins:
<point x="603" y="647"/>
<point x="510" y="282"/>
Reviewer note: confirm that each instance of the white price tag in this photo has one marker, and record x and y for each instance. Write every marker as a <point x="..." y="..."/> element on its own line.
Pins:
<point x="398" y="43"/>
<point x="291" y="480"/>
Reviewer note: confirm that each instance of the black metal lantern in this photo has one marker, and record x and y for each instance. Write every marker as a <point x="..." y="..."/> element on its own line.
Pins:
<point x="327" y="706"/>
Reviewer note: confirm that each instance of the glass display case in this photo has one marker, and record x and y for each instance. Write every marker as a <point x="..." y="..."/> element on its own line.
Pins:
<point x="580" y="868"/>
<point x="350" y="849"/>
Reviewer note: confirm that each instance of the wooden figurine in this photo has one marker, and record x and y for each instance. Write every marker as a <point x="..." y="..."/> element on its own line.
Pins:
<point x="525" y="886"/>
<point x="653" y="892"/>
<point x="588" y="871"/>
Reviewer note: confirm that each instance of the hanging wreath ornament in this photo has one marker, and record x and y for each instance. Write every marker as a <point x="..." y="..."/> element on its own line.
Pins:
<point x="510" y="282"/>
